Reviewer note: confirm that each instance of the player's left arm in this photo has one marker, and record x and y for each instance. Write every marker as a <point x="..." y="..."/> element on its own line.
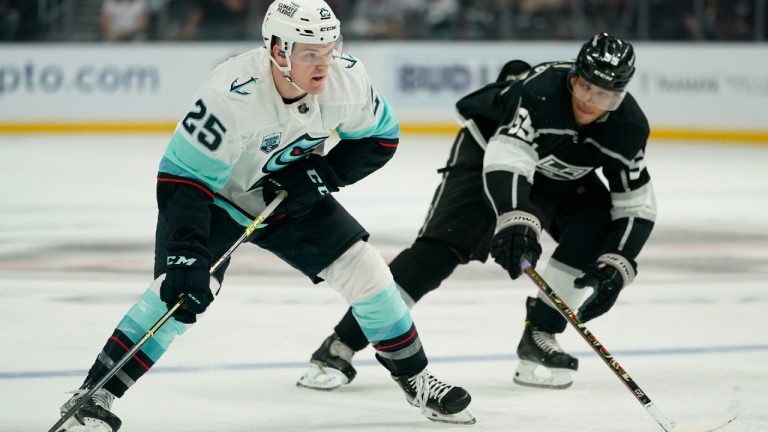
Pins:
<point x="633" y="202"/>
<point x="633" y="215"/>
<point x="369" y="135"/>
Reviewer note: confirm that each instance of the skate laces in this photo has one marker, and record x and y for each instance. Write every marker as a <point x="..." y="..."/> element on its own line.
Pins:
<point x="546" y="341"/>
<point x="428" y="386"/>
<point x="340" y="349"/>
<point x="101" y="397"/>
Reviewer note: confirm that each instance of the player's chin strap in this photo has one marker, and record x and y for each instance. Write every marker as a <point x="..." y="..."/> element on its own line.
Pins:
<point x="286" y="70"/>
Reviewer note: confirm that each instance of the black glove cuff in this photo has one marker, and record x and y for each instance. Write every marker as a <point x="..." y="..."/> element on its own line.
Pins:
<point x="626" y="267"/>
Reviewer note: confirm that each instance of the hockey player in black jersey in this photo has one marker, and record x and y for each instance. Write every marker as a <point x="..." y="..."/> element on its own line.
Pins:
<point x="524" y="162"/>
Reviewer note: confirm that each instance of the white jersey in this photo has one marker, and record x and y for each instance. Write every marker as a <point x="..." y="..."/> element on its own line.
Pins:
<point x="241" y="130"/>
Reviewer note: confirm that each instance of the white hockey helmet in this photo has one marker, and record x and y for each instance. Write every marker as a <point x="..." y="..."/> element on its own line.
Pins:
<point x="302" y="21"/>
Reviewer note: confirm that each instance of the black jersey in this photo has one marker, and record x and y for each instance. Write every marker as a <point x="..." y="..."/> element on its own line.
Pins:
<point x="527" y="126"/>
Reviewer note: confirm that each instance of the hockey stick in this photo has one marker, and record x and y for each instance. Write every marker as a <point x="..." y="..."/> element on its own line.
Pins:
<point x="665" y="422"/>
<point x="151" y="332"/>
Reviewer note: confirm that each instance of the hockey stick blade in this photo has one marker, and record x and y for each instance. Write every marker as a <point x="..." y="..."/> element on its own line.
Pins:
<point x="706" y="425"/>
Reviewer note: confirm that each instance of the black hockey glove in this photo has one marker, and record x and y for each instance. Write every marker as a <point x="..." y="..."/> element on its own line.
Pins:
<point x="307" y="181"/>
<point x="188" y="275"/>
<point x="517" y="237"/>
<point x="607" y="277"/>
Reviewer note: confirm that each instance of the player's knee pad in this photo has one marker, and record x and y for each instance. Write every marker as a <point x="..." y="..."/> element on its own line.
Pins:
<point x="423" y="266"/>
<point x="560" y="278"/>
<point x="359" y="273"/>
<point x="542" y="314"/>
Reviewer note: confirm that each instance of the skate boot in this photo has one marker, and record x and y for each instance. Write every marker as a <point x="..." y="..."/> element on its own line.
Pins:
<point x="94" y="416"/>
<point x="330" y="366"/>
<point x="542" y="362"/>
<point x="438" y="401"/>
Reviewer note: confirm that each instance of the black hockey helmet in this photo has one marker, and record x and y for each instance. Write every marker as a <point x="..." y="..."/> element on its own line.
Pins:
<point x="606" y="61"/>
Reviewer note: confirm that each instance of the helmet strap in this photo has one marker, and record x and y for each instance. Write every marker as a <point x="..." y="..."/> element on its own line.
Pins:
<point x="286" y="70"/>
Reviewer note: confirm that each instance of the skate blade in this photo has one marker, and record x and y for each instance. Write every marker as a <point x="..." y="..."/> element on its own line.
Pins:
<point x="322" y="379"/>
<point x="464" y="416"/>
<point x="91" y="425"/>
<point x="532" y="374"/>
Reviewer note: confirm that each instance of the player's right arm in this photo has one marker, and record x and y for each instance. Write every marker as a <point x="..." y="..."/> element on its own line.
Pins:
<point x="508" y="168"/>
<point x="498" y="118"/>
<point x="197" y="163"/>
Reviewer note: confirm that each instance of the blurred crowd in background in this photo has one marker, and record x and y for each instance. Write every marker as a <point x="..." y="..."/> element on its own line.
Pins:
<point x="204" y="20"/>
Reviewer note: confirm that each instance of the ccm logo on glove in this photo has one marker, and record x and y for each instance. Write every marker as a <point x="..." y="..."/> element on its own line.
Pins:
<point x="322" y="189"/>
<point x="180" y="260"/>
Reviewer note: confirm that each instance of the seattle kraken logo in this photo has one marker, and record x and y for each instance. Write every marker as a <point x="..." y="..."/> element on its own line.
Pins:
<point x="294" y="151"/>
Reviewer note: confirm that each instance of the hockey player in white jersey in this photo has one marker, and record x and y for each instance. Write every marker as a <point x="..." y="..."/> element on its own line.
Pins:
<point x="257" y="126"/>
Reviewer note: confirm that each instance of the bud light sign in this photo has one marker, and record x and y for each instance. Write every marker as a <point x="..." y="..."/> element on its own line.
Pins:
<point x="449" y="80"/>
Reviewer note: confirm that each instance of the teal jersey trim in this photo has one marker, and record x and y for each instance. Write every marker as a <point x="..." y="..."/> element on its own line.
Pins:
<point x="383" y="316"/>
<point x="387" y="127"/>
<point x="183" y="159"/>
<point x="142" y="316"/>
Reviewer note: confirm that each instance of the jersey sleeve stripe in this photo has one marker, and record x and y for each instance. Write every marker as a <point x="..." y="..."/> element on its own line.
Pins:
<point x="640" y="203"/>
<point x="189" y="182"/>
<point x="183" y="159"/>
<point x="387" y="126"/>
<point x="505" y="153"/>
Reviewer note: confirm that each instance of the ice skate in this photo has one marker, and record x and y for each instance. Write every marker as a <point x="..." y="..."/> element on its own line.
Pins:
<point x="542" y="362"/>
<point x="94" y="416"/>
<point x="330" y="366"/>
<point x="438" y="401"/>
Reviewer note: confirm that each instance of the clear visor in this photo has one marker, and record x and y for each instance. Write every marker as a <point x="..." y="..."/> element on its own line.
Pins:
<point x="315" y="54"/>
<point x="597" y="97"/>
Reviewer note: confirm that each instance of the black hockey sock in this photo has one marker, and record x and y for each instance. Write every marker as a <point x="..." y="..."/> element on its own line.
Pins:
<point x="423" y="266"/>
<point x="113" y="351"/>
<point x="349" y="332"/>
<point x="544" y="317"/>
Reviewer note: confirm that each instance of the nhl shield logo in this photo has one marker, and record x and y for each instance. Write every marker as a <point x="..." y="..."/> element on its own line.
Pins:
<point x="270" y="142"/>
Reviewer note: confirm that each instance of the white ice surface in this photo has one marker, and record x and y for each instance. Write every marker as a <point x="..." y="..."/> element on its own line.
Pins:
<point x="76" y="228"/>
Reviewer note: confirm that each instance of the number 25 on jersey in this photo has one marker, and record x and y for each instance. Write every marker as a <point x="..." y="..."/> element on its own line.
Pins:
<point x="212" y="129"/>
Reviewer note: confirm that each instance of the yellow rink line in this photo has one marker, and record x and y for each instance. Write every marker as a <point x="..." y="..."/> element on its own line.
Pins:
<point x="671" y="134"/>
<point x="753" y="137"/>
<point x="85" y="128"/>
